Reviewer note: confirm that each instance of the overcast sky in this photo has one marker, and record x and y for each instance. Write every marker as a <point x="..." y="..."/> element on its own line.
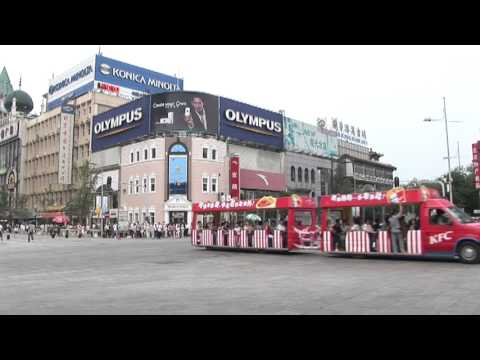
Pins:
<point x="386" y="90"/>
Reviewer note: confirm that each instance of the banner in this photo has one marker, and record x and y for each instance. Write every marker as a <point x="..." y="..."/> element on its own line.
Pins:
<point x="65" y="156"/>
<point x="235" y="177"/>
<point x="306" y="138"/>
<point x="184" y="111"/>
<point x="121" y="124"/>
<point x="476" y="168"/>
<point x="250" y="123"/>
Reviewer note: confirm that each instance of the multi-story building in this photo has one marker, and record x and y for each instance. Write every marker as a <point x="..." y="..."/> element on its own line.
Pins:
<point x="58" y="140"/>
<point x="15" y="111"/>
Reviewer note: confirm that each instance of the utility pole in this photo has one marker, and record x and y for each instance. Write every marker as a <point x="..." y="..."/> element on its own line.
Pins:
<point x="448" y="152"/>
<point x="458" y="154"/>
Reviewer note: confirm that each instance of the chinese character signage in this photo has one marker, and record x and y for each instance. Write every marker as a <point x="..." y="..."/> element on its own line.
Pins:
<point x="66" y="145"/>
<point x="349" y="133"/>
<point x="476" y="168"/>
<point x="235" y="177"/>
<point x="302" y="137"/>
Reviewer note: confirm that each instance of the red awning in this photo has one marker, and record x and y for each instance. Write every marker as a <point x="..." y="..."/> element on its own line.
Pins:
<point x="261" y="180"/>
<point x="51" y="215"/>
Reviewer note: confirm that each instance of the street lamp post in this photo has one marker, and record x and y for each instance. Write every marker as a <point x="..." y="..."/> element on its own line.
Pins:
<point x="450" y="187"/>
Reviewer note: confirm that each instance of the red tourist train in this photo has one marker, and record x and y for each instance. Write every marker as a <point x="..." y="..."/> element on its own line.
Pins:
<point x="398" y="222"/>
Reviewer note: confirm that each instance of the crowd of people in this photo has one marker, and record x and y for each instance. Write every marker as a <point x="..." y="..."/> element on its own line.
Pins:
<point x="397" y="224"/>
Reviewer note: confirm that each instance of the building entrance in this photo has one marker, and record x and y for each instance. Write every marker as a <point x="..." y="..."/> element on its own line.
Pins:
<point x="178" y="217"/>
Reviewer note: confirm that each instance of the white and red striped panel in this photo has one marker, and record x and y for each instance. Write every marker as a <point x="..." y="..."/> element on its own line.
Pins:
<point x="357" y="242"/>
<point x="231" y="238"/>
<point x="414" y="242"/>
<point x="260" y="239"/>
<point x="384" y="244"/>
<point x="277" y="240"/>
<point x="243" y="239"/>
<point x="194" y="237"/>
<point x="207" y="238"/>
<point x="221" y="238"/>
<point x="326" y="242"/>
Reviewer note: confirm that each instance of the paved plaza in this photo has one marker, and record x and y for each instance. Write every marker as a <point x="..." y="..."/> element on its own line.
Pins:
<point x="168" y="276"/>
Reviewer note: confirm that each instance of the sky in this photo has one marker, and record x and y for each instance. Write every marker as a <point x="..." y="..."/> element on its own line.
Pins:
<point x="386" y="90"/>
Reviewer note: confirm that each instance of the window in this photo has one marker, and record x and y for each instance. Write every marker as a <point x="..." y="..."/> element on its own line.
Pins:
<point x="152" y="217"/>
<point x="130" y="188"/>
<point x="214" y="154"/>
<point x="145" y="185"/>
<point x="130" y="217"/>
<point x="154" y="153"/>
<point x="205" y="153"/>
<point x="145" y="154"/>
<point x="300" y="174"/>
<point x="137" y="186"/>
<point x="138" y="155"/>
<point x="205" y="184"/>
<point x="303" y="218"/>
<point x="312" y="176"/>
<point x="131" y="157"/>
<point x="439" y="217"/>
<point x="292" y="173"/>
<point x="136" y="217"/>
<point x="152" y="184"/>
<point x="214" y="185"/>
<point x="306" y="175"/>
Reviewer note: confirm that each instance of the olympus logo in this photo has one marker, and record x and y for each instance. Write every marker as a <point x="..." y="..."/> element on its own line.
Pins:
<point x="119" y="120"/>
<point x="105" y="69"/>
<point x="67" y="109"/>
<point x="252" y="120"/>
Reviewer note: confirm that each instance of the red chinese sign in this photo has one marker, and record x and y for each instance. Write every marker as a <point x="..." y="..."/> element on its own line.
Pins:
<point x="476" y="168"/>
<point x="266" y="202"/>
<point x="235" y="177"/>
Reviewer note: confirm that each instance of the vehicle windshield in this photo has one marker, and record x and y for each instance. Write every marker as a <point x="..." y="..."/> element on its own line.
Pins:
<point x="460" y="216"/>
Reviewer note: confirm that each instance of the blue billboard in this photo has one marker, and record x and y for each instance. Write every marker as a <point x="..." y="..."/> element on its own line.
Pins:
<point x="134" y="77"/>
<point x="249" y="123"/>
<point x="121" y="124"/>
<point x="114" y="77"/>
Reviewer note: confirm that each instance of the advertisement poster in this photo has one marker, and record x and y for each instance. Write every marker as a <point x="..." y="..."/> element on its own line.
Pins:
<point x="121" y="124"/>
<point x="476" y="165"/>
<point x="65" y="156"/>
<point x="235" y="177"/>
<point x="185" y="111"/>
<point x="249" y="123"/>
<point x="177" y="175"/>
<point x="303" y="137"/>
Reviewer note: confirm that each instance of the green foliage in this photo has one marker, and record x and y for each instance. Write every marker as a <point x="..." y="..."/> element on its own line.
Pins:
<point x="84" y="198"/>
<point x="3" y="199"/>
<point x="464" y="193"/>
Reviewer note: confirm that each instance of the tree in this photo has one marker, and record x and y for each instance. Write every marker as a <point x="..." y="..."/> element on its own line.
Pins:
<point x="3" y="198"/>
<point x="84" y="197"/>
<point x="464" y="193"/>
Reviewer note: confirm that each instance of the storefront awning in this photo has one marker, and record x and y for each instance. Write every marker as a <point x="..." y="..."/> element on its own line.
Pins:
<point x="261" y="180"/>
<point x="51" y="215"/>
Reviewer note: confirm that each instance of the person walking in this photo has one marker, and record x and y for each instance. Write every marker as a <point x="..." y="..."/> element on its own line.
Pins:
<point x="1" y="232"/>
<point x="31" y="230"/>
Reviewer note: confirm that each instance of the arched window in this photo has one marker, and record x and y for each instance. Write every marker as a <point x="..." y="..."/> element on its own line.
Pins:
<point x="306" y="176"/>
<point x="312" y="176"/>
<point x="178" y="170"/>
<point x="292" y="173"/>
<point x="299" y="174"/>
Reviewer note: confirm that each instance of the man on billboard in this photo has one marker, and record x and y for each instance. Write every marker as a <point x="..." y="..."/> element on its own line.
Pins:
<point x="196" y="119"/>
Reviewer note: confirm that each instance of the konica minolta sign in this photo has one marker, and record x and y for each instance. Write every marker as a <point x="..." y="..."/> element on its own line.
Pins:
<point x="100" y="72"/>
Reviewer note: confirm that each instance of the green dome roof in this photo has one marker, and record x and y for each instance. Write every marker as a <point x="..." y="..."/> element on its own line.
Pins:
<point x="24" y="101"/>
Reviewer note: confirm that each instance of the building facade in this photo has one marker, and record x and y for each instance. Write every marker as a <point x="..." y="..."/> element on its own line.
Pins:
<point x="59" y="139"/>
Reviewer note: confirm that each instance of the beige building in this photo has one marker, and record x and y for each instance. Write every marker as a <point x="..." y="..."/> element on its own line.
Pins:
<point x="41" y="151"/>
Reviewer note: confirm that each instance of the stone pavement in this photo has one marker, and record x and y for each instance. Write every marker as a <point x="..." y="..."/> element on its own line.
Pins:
<point x="168" y="276"/>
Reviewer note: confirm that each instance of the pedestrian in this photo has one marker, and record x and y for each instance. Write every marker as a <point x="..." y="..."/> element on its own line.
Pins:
<point x="31" y="230"/>
<point x="115" y="231"/>
<point x="396" y="230"/>
<point x="1" y="232"/>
